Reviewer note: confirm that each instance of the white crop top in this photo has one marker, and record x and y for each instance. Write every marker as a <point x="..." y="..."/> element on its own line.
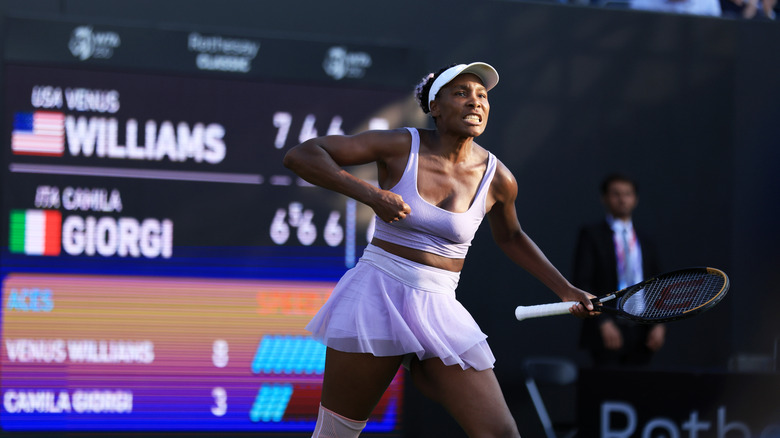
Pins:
<point x="428" y="227"/>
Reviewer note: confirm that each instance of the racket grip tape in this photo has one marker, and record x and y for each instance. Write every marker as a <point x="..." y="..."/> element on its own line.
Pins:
<point x="525" y="312"/>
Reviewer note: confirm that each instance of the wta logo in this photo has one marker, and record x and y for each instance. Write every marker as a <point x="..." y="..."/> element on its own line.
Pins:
<point x="45" y="233"/>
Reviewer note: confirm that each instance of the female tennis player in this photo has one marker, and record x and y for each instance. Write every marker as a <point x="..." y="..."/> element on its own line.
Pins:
<point x="397" y="305"/>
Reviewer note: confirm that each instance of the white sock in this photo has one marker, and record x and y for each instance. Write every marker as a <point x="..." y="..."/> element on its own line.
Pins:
<point x="333" y="425"/>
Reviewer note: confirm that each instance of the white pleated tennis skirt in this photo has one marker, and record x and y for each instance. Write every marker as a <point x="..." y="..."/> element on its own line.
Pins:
<point x="390" y="306"/>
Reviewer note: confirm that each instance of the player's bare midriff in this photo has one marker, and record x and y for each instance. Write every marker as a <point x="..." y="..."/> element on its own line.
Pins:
<point x="422" y="257"/>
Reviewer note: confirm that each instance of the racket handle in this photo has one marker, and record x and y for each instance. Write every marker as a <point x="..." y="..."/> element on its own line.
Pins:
<point x="525" y="312"/>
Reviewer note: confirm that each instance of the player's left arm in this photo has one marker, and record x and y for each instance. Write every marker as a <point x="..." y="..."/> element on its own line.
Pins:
<point x="519" y="247"/>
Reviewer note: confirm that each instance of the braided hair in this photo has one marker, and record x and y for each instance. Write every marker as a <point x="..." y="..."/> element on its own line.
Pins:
<point x="424" y="87"/>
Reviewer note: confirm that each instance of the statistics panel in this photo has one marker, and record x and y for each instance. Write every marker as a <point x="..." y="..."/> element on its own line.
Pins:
<point x="144" y="353"/>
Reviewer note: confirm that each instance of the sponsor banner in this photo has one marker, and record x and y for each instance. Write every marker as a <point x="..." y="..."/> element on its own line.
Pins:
<point x="127" y="48"/>
<point x="627" y="404"/>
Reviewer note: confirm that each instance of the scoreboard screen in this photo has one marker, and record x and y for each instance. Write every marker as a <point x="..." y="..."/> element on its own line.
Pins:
<point x="158" y="263"/>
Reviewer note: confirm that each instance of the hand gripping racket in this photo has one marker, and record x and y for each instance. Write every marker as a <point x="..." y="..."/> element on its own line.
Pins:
<point x="667" y="297"/>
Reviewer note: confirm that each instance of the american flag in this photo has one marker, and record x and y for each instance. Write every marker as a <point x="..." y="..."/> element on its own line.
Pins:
<point x="38" y="133"/>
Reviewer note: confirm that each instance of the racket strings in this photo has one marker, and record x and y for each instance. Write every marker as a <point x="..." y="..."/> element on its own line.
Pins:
<point x="673" y="295"/>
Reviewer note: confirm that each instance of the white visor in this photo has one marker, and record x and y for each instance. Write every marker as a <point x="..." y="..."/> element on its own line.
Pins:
<point x="485" y="72"/>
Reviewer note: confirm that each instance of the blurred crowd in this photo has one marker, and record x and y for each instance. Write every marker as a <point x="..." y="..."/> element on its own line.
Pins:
<point x="752" y="9"/>
<point x="736" y="9"/>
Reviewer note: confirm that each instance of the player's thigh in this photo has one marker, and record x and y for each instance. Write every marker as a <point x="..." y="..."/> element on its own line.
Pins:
<point x="474" y="398"/>
<point x="353" y="383"/>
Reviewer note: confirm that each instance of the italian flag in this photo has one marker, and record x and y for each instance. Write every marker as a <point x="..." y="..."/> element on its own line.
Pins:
<point x="35" y="232"/>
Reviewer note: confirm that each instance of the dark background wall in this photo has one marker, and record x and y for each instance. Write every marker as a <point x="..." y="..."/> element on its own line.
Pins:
<point x="688" y="105"/>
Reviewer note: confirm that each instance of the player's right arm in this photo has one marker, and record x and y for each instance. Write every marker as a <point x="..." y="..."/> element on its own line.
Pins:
<point x="321" y="160"/>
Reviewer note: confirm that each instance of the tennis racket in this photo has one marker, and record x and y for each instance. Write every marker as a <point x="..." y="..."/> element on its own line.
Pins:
<point x="667" y="297"/>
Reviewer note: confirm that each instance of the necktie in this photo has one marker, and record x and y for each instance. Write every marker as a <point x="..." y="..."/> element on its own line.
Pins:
<point x="637" y="301"/>
<point x="627" y="260"/>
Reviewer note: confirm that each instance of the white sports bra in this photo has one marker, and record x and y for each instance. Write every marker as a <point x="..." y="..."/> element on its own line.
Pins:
<point x="428" y="227"/>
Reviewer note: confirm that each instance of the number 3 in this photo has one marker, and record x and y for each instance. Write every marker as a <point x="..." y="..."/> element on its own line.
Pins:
<point x="220" y="400"/>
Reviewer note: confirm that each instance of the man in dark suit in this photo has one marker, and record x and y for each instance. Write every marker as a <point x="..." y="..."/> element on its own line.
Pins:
<point x="610" y="255"/>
